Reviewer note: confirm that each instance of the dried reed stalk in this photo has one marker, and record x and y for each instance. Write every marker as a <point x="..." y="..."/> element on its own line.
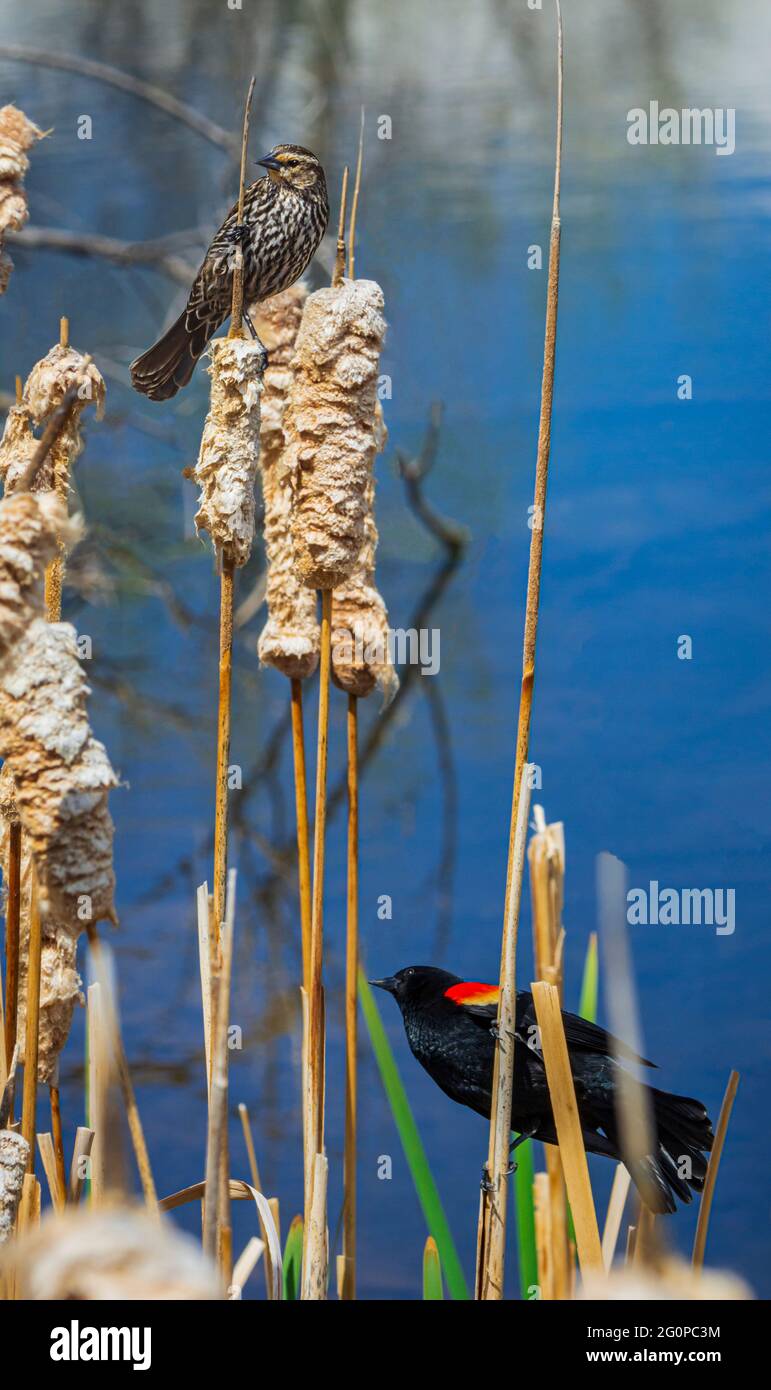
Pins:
<point x="546" y="858"/>
<point x="315" y="1245"/>
<point x="568" y="1125"/>
<point x="705" y="1206"/>
<point x="45" y="1145"/>
<point x="316" y="1265"/>
<point x="217" y="1205"/>
<point x="616" y="1203"/>
<point x="98" y="1081"/>
<point x="81" y="1152"/>
<point x="490" y="1253"/>
<point x="348" y="1281"/>
<point x="120" y="1062"/>
<point x="544" y="1238"/>
<point x="17" y="135"/>
<point x="497" y="1172"/>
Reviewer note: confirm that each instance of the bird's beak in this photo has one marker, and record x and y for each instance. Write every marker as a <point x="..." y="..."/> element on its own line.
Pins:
<point x="388" y="983"/>
<point x="269" y="162"/>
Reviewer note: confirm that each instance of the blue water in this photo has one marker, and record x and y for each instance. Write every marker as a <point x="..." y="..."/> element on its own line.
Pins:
<point x="657" y="528"/>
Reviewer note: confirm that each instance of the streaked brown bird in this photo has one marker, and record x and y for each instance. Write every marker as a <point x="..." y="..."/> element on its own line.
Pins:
<point x="285" y="217"/>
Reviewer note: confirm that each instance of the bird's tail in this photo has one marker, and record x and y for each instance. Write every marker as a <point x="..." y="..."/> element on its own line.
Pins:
<point x="168" y="364"/>
<point x="679" y="1165"/>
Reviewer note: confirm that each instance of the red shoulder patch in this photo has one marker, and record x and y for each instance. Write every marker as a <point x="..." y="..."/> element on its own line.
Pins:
<point x="472" y="992"/>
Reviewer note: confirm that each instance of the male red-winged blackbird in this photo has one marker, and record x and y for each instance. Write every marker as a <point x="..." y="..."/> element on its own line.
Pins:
<point x="285" y="217"/>
<point x="450" y="1028"/>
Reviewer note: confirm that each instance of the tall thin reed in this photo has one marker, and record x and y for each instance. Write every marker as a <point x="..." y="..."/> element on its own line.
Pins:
<point x="489" y="1281"/>
<point x="226" y="596"/>
<point x="705" y="1206"/>
<point x="568" y="1125"/>
<point x="496" y="1186"/>
<point x="351" y="1008"/>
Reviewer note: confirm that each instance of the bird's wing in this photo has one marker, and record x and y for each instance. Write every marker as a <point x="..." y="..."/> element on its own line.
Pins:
<point x="480" y="1001"/>
<point x="580" y="1034"/>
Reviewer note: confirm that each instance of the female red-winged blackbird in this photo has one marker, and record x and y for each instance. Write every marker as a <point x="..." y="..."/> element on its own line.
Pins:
<point x="285" y="217"/>
<point x="450" y="1027"/>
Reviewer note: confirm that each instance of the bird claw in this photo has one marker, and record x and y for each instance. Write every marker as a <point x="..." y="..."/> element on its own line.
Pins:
<point x="495" y="1032"/>
<point x="236" y="233"/>
<point x="486" y="1184"/>
<point x="256" y="339"/>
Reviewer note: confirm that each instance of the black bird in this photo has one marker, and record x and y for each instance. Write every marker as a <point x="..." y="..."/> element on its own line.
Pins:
<point x="285" y="216"/>
<point x="450" y="1028"/>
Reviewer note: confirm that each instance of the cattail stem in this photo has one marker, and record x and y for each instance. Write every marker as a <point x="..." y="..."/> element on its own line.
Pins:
<point x="355" y="202"/>
<point x="494" y="1237"/>
<point x="489" y="1279"/>
<point x="34" y="950"/>
<point x="348" y="1290"/>
<point x="303" y="838"/>
<point x="57" y="1137"/>
<point x="339" y="268"/>
<point x="700" y="1242"/>
<point x="223" y="746"/>
<point x="312" y="1254"/>
<point x="12" y="921"/>
<point x="216" y="1209"/>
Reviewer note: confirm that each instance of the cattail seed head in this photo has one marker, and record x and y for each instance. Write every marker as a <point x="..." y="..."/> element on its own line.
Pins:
<point x="291" y="637"/>
<point x="229" y="452"/>
<point x="330" y="426"/>
<point x="17" y="135"/>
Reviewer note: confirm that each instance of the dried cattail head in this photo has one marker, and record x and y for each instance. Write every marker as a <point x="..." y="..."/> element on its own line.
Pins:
<point x="14" y="1156"/>
<point x="361" y="651"/>
<point x="17" y="447"/>
<point x="115" y="1254"/>
<point x="277" y="321"/>
<point x="61" y="772"/>
<point x="29" y="525"/>
<point x="17" y="135"/>
<point x="45" y="388"/>
<point x="291" y="637"/>
<point x="331" y="427"/>
<point x="230" y="444"/>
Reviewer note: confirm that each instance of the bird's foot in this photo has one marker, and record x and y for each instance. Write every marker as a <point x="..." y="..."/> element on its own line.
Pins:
<point x="486" y="1184"/>
<point x="235" y="234"/>
<point x="495" y="1032"/>
<point x="512" y="1168"/>
<point x="256" y="339"/>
